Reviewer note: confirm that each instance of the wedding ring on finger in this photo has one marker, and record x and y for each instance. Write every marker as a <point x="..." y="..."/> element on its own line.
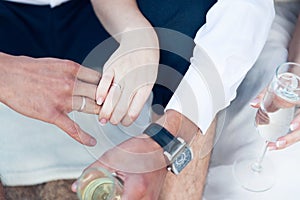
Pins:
<point x="82" y="104"/>
<point x="114" y="84"/>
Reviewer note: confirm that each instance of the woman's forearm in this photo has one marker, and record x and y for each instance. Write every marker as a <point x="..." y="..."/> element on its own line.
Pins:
<point x="294" y="45"/>
<point x="123" y="16"/>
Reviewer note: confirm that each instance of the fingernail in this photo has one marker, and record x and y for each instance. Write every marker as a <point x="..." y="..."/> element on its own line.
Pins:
<point x="280" y="143"/>
<point x="254" y="102"/>
<point x="93" y="142"/>
<point x="74" y="186"/>
<point x="294" y="126"/>
<point x="100" y="101"/>
<point x="103" y="121"/>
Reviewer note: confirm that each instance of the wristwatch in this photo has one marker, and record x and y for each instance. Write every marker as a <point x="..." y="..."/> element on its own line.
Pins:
<point x="176" y="150"/>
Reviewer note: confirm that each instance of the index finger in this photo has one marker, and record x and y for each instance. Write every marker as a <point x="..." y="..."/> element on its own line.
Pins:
<point x="88" y="75"/>
<point x="73" y="130"/>
<point x="288" y="140"/>
<point x="256" y="101"/>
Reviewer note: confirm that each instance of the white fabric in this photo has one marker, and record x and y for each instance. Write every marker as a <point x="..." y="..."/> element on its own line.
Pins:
<point x="51" y="3"/>
<point x="238" y="135"/>
<point x="202" y="96"/>
<point x="241" y="29"/>
<point x="33" y="152"/>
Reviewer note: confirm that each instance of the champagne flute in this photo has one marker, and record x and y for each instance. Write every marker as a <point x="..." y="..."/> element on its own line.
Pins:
<point x="99" y="184"/>
<point x="273" y="118"/>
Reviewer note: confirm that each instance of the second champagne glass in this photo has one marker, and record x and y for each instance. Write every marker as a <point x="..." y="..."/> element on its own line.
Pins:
<point x="99" y="184"/>
<point x="273" y="118"/>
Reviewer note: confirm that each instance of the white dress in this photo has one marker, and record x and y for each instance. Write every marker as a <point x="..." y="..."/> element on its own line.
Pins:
<point x="236" y="134"/>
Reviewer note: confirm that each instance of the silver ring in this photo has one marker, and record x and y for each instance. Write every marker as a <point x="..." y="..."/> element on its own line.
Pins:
<point x="116" y="85"/>
<point x="82" y="104"/>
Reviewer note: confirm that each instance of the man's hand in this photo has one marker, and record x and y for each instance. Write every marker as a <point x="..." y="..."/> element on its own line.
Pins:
<point x="140" y="161"/>
<point x="47" y="89"/>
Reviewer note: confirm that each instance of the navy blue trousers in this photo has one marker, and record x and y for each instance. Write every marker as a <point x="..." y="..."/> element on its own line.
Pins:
<point x="71" y="31"/>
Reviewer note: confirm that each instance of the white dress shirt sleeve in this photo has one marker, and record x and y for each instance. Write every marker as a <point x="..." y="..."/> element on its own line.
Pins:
<point x="52" y="3"/>
<point x="227" y="46"/>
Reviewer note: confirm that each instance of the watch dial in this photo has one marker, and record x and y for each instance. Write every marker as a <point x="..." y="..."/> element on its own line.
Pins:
<point x="183" y="159"/>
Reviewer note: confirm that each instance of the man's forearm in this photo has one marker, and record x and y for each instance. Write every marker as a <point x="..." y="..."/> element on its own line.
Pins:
<point x="294" y="46"/>
<point x="190" y="183"/>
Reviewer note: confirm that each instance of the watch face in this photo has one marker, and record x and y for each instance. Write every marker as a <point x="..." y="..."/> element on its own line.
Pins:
<point x="182" y="160"/>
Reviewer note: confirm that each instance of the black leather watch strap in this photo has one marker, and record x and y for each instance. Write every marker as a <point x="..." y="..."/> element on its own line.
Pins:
<point x="162" y="136"/>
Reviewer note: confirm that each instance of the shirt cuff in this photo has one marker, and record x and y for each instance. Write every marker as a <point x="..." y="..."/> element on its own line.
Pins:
<point x="200" y="94"/>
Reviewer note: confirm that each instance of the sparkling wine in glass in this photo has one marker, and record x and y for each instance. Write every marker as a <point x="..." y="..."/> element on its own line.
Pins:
<point x="273" y="118"/>
<point x="99" y="184"/>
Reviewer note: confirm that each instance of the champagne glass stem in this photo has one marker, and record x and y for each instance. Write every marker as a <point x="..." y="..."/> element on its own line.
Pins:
<point x="257" y="166"/>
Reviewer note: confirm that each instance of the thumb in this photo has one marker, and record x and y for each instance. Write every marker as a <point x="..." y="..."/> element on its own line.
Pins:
<point x="72" y="129"/>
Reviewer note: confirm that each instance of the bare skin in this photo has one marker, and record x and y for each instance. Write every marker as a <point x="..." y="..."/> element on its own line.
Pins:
<point x="140" y="162"/>
<point x="190" y="183"/>
<point x="47" y="89"/>
<point x="294" y="136"/>
<point x="132" y="67"/>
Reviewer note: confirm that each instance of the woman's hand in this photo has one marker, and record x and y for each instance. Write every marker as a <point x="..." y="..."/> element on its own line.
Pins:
<point x="129" y="74"/>
<point x="47" y="89"/>
<point x="294" y="56"/>
<point x="128" y="77"/>
<point x="287" y="140"/>
<point x="294" y="135"/>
